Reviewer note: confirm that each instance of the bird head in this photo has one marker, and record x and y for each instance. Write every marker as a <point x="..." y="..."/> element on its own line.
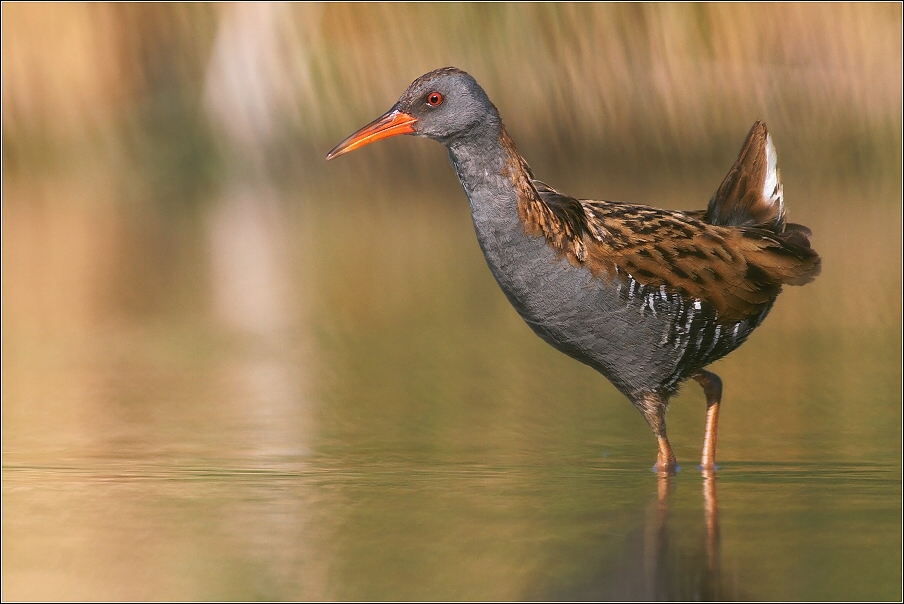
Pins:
<point x="444" y="105"/>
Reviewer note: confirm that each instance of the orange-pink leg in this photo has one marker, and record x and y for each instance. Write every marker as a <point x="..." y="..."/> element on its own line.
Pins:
<point x="665" y="458"/>
<point x="653" y="407"/>
<point x="712" y="387"/>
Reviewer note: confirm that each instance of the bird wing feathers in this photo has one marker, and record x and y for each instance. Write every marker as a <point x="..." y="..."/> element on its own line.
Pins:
<point x="735" y="255"/>
<point x="737" y="270"/>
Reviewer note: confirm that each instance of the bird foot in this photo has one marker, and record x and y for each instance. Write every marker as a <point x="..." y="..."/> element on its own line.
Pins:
<point x="666" y="463"/>
<point x="708" y="470"/>
<point x="666" y="470"/>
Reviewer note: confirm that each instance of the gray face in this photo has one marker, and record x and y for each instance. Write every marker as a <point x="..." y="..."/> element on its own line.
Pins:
<point x="448" y="104"/>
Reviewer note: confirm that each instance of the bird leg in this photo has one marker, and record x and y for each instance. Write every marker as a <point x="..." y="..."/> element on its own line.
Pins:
<point x="653" y="406"/>
<point x="712" y="388"/>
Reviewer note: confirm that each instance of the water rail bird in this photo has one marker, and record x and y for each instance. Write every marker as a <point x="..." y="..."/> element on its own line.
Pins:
<point x="646" y="296"/>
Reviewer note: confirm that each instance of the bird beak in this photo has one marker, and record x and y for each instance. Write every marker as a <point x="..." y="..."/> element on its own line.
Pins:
<point x="391" y="123"/>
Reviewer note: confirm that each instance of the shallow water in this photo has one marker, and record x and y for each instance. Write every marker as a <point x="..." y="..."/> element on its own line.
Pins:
<point x="353" y="528"/>
<point x="334" y="401"/>
<point x="231" y="370"/>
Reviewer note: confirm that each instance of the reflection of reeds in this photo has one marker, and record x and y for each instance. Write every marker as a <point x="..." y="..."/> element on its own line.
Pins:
<point x="114" y="117"/>
<point x="650" y="76"/>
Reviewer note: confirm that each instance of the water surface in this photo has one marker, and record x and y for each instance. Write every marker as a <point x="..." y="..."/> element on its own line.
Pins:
<point x="379" y="424"/>
<point x="232" y="370"/>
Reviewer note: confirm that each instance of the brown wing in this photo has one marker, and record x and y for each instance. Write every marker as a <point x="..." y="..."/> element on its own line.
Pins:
<point x="737" y="270"/>
<point x="735" y="256"/>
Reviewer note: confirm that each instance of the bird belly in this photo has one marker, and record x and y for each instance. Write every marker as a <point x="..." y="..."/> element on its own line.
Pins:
<point x="581" y="315"/>
<point x="640" y="338"/>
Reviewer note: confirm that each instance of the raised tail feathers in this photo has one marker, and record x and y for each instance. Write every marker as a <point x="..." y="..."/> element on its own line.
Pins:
<point x="751" y="197"/>
<point x="751" y="194"/>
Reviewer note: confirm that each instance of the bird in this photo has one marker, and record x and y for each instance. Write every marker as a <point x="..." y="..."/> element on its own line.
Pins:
<point x="648" y="297"/>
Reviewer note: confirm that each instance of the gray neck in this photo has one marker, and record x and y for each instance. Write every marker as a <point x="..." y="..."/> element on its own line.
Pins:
<point x="483" y="164"/>
<point x="486" y="167"/>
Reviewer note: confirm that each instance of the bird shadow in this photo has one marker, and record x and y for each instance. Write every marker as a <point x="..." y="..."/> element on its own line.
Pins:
<point x="659" y="561"/>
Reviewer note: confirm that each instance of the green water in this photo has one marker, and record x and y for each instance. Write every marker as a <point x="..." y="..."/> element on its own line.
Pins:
<point x="357" y="413"/>
<point x="362" y="527"/>
<point x="234" y="371"/>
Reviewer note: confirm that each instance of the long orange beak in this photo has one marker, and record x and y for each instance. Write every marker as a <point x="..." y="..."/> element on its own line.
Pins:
<point x="389" y="124"/>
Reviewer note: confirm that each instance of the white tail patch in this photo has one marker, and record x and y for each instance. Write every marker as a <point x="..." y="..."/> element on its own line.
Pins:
<point x="772" y="186"/>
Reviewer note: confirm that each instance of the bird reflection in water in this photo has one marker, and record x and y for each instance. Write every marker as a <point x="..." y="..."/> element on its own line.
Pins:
<point x="678" y="572"/>
<point x="660" y="560"/>
<point x="711" y="518"/>
<point x="671" y="570"/>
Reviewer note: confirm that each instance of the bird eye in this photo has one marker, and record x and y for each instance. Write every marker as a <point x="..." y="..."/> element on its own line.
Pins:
<point x="434" y="99"/>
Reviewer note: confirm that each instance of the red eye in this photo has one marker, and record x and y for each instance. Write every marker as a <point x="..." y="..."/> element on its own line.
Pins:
<point x="434" y="99"/>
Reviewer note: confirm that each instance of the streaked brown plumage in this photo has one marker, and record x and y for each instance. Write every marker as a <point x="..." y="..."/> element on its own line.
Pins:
<point x="735" y="256"/>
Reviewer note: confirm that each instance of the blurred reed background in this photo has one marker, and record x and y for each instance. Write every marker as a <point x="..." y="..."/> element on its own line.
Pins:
<point x="674" y="80"/>
<point x="146" y="110"/>
<point x="183" y="272"/>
